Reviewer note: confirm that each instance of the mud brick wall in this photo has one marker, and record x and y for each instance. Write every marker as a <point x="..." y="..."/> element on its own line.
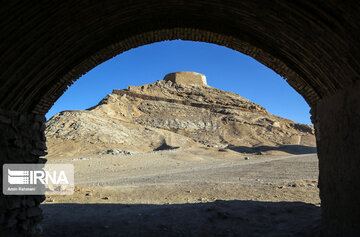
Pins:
<point x="336" y="121"/>
<point x="22" y="140"/>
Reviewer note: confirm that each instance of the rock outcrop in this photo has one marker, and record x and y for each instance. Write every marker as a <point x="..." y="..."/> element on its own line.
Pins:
<point x="180" y="111"/>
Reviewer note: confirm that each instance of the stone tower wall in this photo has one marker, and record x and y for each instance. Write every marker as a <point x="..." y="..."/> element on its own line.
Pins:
<point x="187" y="78"/>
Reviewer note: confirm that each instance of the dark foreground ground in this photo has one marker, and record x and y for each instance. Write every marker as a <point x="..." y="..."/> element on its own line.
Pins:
<point x="219" y="218"/>
<point x="188" y="193"/>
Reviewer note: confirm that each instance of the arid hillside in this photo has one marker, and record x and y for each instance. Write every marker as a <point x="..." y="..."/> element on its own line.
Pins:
<point x="179" y="111"/>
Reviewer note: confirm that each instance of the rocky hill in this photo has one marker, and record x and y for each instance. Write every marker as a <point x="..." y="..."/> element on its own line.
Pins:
<point x="179" y="111"/>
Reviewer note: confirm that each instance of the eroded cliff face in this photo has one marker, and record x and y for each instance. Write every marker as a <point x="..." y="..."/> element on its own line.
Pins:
<point x="141" y="118"/>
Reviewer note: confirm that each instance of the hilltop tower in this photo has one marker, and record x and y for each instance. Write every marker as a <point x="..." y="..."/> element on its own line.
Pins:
<point x="187" y="78"/>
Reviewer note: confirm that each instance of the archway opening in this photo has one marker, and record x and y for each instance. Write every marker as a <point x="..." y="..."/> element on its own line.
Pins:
<point x="191" y="167"/>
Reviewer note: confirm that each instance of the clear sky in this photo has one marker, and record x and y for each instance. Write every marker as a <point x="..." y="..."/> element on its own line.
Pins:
<point x="224" y="68"/>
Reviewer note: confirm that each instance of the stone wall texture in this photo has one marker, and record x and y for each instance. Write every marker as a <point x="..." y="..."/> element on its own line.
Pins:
<point x="186" y="78"/>
<point x="22" y="140"/>
<point x="337" y="120"/>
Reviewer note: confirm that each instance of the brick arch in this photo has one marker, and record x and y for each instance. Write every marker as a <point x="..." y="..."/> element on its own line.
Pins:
<point x="53" y="45"/>
<point x="46" y="45"/>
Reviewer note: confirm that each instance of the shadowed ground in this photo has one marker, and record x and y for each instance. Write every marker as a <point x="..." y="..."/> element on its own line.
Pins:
<point x="290" y="149"/>
<point x="192" y="192"/>
<point x="219" y="218"/>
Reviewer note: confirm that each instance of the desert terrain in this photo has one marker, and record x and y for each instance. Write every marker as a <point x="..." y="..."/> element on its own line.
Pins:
<point x="172" y="159"/>
<point x="196" y="192"/>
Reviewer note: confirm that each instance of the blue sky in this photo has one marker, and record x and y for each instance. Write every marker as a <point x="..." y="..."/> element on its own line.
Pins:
<point x="224" y="68"/>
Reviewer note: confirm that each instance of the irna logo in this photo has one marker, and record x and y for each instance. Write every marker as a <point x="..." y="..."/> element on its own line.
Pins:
<point x="36" y="177"/>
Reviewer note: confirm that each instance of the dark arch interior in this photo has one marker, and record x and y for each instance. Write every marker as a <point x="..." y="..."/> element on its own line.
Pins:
<point x="314" y="45"/>
<point x="79" y="36"/>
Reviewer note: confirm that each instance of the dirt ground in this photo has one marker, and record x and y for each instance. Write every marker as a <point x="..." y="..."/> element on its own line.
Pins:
<point x="187" y="192"/>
